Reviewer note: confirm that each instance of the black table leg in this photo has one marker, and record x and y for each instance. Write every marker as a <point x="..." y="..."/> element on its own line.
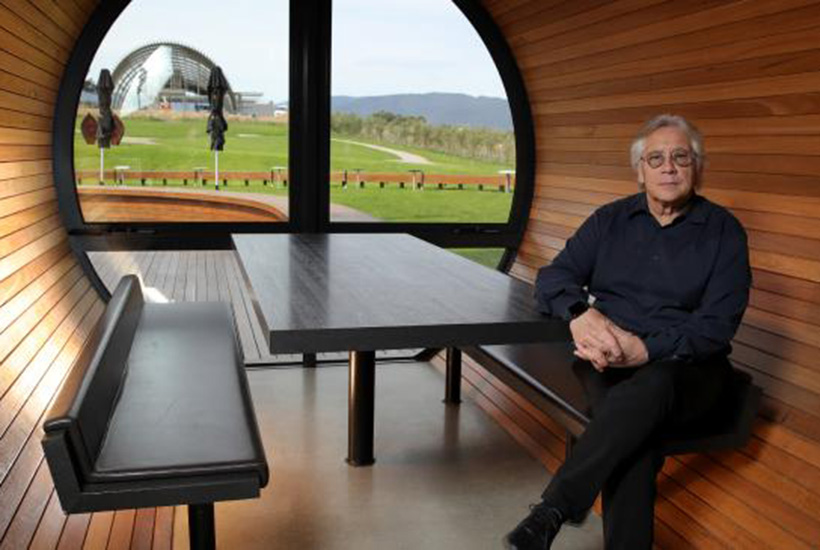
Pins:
<point x="202" y="534"/>
<point x="361" y="402"/>
<point x="452" y="379"/>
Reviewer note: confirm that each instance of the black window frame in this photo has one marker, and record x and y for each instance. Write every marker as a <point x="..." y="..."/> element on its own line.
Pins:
<point x="309" y="148"/>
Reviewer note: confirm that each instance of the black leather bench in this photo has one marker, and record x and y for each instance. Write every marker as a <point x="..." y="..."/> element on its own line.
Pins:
<point x="548" y="375"/>
<point x="156" y="411"/>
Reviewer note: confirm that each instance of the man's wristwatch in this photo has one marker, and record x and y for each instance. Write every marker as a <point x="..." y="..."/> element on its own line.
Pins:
<point x="577" y="309"/>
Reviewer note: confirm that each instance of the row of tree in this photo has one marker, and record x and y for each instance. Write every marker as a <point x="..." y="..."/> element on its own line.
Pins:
<point x="483" y="144"/>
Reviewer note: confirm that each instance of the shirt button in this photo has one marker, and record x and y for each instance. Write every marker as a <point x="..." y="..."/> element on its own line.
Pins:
<point x="656" y="257"/>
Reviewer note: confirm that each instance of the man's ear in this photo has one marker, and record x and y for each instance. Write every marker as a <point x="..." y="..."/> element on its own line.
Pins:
<point x="641" y="178"/>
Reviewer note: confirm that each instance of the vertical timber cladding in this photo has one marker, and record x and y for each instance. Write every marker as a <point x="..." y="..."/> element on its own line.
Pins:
<point x="47" y="306"/>
<point x="748" y="73"/>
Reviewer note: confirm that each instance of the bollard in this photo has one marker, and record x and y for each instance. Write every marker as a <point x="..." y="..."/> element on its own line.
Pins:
<point x="508" y="180"/>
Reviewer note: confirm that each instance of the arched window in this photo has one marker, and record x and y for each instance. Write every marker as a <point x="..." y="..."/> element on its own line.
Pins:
<point x="300" y="154"/>
<point x="421" y="129"/>
<point x="173" y="163"/>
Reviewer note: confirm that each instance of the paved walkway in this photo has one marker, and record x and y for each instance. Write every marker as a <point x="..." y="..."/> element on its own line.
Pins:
<point x="404" y="156"/>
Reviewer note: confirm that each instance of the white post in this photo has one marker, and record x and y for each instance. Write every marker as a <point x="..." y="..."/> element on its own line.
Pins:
<point x="216" y="169"/>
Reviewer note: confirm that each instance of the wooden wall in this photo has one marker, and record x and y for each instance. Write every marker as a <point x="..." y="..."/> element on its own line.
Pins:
<point x="748" y="73"/>
<point x="122" y="204"/>
<point x="47" y="305"/>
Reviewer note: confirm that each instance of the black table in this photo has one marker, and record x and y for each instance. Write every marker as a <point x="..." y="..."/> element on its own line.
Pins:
<point x="361" y="293"/>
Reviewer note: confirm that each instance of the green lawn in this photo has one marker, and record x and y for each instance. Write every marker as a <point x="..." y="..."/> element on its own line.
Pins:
<point x="429" y="205"/>
<point x="484" y="256"/>
<point x="250" y="146"/>
<point x="259" y="146"/>
<point x="184" y="145"/>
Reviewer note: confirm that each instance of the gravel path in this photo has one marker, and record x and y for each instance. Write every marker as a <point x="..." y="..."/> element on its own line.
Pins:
<point x="404" y="156"/>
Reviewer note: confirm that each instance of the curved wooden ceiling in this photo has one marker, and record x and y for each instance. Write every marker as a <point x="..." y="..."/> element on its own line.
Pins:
<point x="747" y="72"/>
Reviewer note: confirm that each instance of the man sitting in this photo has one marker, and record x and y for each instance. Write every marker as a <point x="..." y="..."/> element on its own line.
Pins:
<point x="669" y="273"/>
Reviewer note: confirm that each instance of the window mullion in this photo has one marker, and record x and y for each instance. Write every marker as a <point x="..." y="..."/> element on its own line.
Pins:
<point x="309" y="160"/>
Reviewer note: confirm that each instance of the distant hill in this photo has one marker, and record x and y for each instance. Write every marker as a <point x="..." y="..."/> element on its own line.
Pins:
<point x="437" y="108"/>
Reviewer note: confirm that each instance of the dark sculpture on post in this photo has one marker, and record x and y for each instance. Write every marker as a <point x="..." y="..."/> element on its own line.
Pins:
<point x="217" y="125"/>
<point x="109" y="129"/>
<point x="105" y="126"/>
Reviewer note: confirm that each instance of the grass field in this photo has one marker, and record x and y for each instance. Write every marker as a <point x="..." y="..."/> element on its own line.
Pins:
<point x="430" y="205"/>
<point x="182" y="144"/>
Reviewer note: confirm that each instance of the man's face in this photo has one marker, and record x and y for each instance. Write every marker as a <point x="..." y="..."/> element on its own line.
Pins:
<point x="669" y="183"/>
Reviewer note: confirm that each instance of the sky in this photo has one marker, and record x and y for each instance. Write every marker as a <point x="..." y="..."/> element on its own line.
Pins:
<point x="379" y="46"/>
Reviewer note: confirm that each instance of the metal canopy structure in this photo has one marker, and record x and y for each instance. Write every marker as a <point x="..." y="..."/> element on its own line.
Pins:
<point x="178" y="74"/>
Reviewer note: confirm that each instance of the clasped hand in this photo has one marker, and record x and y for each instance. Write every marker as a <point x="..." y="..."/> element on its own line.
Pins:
<point x="605" y="344"/>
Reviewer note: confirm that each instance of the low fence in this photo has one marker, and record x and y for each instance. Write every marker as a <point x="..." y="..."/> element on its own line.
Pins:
<point x="415" y="179"/>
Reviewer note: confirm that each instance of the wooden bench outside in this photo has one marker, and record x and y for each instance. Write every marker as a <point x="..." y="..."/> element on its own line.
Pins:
<point x="156" y="412"/>
<point x="200" y="177"/>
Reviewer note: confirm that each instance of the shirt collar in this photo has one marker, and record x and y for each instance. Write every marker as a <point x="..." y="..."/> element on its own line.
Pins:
<point x="695" y="214"/>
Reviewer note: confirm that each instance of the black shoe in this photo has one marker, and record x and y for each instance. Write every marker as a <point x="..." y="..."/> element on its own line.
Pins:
<point x="537" y="530"/>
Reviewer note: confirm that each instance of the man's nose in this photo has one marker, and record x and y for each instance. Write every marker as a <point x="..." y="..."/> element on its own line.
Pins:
<point x="669" y="165"/>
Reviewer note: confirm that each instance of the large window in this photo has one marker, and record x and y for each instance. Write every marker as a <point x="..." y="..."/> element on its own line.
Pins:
<point x="161" y="57"/>
<point x="350" y="115"/>
<point x="421" y="129"/>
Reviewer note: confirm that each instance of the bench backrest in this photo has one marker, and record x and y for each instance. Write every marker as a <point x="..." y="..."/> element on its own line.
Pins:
<point x="88" y="396"/>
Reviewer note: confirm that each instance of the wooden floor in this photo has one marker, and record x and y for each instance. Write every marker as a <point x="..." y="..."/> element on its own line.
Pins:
<point x="204" y="275"/>
<point x="30" y="513"/>
<point x="190" y="276"/>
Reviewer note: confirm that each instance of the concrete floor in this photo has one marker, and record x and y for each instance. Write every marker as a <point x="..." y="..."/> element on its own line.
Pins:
<point x="445" y="477"/>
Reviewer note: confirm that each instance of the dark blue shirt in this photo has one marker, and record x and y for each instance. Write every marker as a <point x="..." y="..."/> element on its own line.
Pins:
<point x="681" y="288"/>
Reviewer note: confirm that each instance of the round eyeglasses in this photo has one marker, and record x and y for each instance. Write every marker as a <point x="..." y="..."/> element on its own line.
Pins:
<point x="680" y="157"/>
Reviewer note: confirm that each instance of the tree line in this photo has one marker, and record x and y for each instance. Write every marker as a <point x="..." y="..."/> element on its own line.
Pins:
<point x="483" y="144"/>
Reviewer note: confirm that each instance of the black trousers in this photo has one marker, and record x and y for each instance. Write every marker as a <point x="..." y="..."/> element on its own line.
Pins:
<point x="618" y="454"/>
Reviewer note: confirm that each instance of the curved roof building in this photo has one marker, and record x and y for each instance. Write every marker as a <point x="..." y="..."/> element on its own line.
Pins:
<point x="164" y="72"/>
